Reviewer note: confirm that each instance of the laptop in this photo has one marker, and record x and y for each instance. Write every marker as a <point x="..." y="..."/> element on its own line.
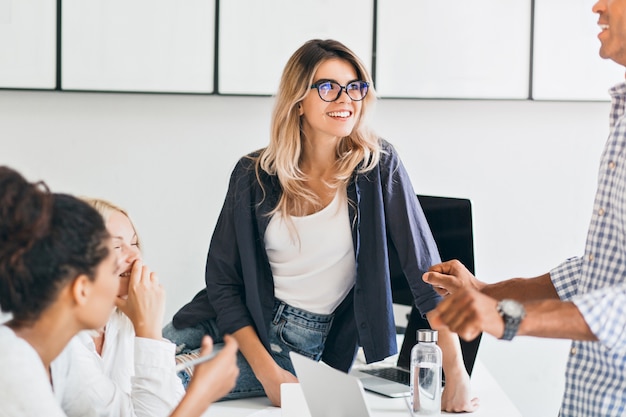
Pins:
<point x="327" y="391"/>
<point x="393" y="381"/>
<point x="450" y="221"/>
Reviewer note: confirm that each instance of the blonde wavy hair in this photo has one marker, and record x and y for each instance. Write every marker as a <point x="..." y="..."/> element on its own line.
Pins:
<point x="283" y="154"/>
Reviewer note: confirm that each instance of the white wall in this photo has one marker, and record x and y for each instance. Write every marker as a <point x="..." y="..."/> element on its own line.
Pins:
<point x="529" y="168"/>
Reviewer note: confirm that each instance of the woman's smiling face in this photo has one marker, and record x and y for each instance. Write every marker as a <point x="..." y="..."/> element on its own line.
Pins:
<point x="335" y="119"/>
<point x="125" y="243"/>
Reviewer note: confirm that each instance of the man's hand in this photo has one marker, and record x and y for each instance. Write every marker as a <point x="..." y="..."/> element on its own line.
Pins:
<point x="468" y="313"/>
<point x="451" y="276"/>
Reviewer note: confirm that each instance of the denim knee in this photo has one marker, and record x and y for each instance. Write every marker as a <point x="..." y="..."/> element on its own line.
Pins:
<point x="186" y="340"/>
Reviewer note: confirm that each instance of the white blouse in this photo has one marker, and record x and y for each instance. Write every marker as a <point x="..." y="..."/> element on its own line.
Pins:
<point x="134" y="376"/>
<point x="25" y="389"/>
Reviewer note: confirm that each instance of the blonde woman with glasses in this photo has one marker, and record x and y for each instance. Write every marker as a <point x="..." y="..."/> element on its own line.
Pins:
<point x="299" y="259"/>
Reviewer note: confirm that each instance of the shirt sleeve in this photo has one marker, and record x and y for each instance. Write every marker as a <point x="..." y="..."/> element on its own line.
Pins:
<point x="604" y="310"/>
<point x="230" y="249"/>
<point x="87" y="390"/>
<point x="409" y="230"/>
<point x="156" y="390"/>
<point x="565" y="278"/>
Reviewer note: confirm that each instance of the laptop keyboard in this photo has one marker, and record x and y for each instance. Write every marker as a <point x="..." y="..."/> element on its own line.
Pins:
<point x="392" y="374"/>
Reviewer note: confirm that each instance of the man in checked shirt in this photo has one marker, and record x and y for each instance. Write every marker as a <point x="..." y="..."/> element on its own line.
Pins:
<point x="584" y="298"/>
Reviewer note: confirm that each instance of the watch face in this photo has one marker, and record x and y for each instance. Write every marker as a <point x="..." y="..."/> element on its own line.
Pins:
<point x="512" y="308"/>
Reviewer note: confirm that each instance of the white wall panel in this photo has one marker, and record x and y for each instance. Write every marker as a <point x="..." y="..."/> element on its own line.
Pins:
<point x="28" y="38"/>
<point x="138" y="45"/>
<point x="453" y="48"/>
<point x="566" y="61"/>
<point x="258" y="37"/>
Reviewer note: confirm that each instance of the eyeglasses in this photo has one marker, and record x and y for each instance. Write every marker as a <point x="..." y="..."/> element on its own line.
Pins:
<point x="331" y="90"/>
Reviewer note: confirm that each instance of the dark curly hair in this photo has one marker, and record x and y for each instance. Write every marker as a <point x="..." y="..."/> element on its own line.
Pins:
<point x="46" y="241"/>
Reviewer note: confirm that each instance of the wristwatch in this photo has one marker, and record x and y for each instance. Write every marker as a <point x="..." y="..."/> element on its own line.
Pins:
<point x="512" y="313"/>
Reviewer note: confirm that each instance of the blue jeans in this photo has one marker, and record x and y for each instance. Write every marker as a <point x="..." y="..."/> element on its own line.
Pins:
<point x="292" y="329"/>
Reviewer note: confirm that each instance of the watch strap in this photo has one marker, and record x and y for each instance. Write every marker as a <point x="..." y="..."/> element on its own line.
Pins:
<point x="511" y="323"/>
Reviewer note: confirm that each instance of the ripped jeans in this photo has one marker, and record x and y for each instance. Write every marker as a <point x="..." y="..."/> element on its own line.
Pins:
<point x="292" y="329"/>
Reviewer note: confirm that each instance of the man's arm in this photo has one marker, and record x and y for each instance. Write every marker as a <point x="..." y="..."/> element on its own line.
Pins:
<point x="555" y="319"/>
<point x="469" y="312"/>
<point x="523" y="289"/>
<point x="452" y="276"/>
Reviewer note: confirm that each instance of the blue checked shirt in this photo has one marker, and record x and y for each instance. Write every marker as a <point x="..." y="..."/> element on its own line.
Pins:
<point x="596" y="283"/>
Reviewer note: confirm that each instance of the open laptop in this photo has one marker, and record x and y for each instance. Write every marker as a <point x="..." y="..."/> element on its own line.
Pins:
<point x="327" y="391"/>
<point x="450" y="221"/>
<point x="393" y="381"/>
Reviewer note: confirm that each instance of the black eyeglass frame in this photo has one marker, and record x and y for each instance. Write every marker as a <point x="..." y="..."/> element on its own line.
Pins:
<point x="341" y="89"/>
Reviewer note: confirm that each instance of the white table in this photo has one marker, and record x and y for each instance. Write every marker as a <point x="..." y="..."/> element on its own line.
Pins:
<point x="493" y="402"/>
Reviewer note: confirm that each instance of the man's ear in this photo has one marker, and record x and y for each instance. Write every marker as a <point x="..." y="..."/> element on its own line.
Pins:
<point x="81" y="289"/>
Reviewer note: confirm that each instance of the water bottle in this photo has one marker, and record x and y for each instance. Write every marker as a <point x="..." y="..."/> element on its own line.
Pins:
<point x="426" y="374"/>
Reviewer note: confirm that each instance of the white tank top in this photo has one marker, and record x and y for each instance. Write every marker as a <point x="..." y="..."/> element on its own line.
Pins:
<point x="315" y="269"/>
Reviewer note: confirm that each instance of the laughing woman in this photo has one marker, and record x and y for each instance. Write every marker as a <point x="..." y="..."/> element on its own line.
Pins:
<point x="60" y="275"/>
<point x="125" y="368"/>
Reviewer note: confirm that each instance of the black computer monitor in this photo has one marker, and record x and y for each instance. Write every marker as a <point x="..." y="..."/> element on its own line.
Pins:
<point x="450" y="221"/>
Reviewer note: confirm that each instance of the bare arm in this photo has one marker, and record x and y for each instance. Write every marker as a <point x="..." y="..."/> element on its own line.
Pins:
<point x="457" y="395"/>
<point x="523" y="289"/>
<point x="263" y="365"/>
<point x="211" y="380"/>
<point x="452" y="276"/>
<point x="469" y="312"/>
<point x="556" y="319"/>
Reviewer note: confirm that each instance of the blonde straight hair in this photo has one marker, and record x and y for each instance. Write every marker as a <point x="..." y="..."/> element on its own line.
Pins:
<point x="283" y="154"/>
<point x="105" y="208"/>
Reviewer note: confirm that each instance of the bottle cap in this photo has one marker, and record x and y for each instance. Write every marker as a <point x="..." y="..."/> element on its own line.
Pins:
<point x="427" y="335"/>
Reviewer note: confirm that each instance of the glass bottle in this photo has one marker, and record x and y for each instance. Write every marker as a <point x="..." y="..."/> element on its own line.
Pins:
<point x="426" y="374"/>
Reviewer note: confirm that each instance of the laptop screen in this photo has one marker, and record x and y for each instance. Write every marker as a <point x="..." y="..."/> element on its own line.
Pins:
<point x="450" y="221"/>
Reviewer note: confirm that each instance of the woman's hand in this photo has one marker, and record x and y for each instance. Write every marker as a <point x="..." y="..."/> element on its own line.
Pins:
<point x="211" y="380"/>
<point x="262" y="363"/>
<point x="145" y="304"/>
<point x="271" y="381"/>
<point x="456" y="397"/>
<point x="457" y="393"/>
<point x="218" y="376"/>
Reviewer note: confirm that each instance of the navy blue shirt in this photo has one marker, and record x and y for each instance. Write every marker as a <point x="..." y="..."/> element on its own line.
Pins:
<point x="388" y="225"/>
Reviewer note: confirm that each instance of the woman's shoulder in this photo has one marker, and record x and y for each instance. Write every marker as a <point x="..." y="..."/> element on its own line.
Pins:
<point x="17" y="353"/>
<point x="249" y="170"/>
<point x="9" y="341"/>
<point x="388" y="154"/>
<point x="386" y="147"/>
<point x="23" y="379"/>
<point x="247" y="163"/>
